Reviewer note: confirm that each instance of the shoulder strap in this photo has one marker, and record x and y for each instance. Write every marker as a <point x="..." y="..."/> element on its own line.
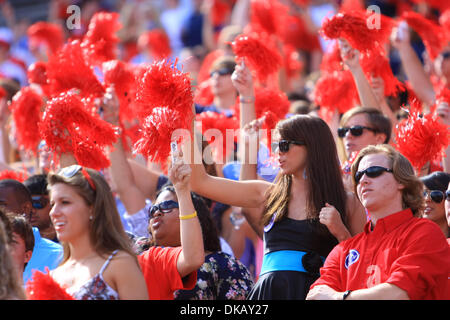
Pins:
<point x="107" y="261"/>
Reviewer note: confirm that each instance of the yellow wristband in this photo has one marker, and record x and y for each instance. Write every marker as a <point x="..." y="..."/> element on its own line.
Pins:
<point x="189" y="216"/>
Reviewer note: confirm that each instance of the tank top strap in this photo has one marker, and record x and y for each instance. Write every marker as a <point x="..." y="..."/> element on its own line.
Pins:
<point x="107" y="262"/>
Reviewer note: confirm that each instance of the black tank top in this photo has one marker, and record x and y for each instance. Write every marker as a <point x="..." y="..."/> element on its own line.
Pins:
<point x="299" y="235"/>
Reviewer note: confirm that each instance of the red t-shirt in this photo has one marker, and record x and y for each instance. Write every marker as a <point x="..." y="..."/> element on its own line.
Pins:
<point x="159" y="266"/>
<point x="409" y="252"/>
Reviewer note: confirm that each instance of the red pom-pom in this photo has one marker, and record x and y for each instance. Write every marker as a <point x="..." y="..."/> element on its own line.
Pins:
<point x="100" y="41"/>
<point x="294" y="31"/>
<point x="376" y="64"/>
<point x="157" y="130"/>
<point x="157" y="42"/>
<point x="26" y="112"/>
<point x="121" y="76"/>
<point x="162" y="84"/>
<point x="421" y="138"/>
<point x="51" y="34"/>
<point x="336" y="90"/>
<point x="260" y="57"/>
<point x="203" y="94"/>
<point x="220" y="11"/>
<point x="432" y="34"/>
<point x="353" y="26"/>
<point x="37" y="74"/>
<point x="13" y="175"/>
<point x="69" y="125"/>
<point x="68" y="69"/>
<point x="444" y="22"/>
<point x="263" y="14"/>
<point x="42" y="287"/>
<point x="219" y="121"/>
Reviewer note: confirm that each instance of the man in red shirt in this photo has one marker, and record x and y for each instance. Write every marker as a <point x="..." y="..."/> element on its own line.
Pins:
<point x="398" y="255"/>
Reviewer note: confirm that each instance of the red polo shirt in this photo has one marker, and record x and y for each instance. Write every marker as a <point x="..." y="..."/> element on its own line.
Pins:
<point x="411" y="253"/>
<point x="159" y="266"/>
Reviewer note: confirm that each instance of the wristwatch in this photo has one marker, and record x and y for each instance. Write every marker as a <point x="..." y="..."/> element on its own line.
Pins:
<point x="346" y="294"/>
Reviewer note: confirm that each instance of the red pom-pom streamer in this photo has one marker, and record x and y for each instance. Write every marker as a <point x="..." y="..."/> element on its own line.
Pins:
<point x="162" y="84"/>
<point x="14" y="175"/>
<point x="100" y="41"/>
<point x="432" y="34"/>
<point x="421" y="138"/>
<point x="51" y="34"/>
<point x="219" y="121"/>
<point x="42" y="287"/>
<point x="26" y="112"/>
<point x="260" y="57"/>
<point x="68" y="69"/>
<point x="69" y="126"/>
<point x="220" y="11"/>
<point x="157" y="130"/>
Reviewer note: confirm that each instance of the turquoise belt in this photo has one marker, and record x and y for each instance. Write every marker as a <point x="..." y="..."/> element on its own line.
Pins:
<point x="283" y="260"/>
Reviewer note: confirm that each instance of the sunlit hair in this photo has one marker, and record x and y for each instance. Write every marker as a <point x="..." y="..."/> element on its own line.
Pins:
<point x="403" y="171"/>
<point x="324" y="180"/>
<point x="106" y="231"/>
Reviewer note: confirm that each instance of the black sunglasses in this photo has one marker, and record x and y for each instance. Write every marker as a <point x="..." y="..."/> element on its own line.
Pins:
<point x="39" y="202"/>
<point x="435" y="195"/>
<point x="283" y="145"/>
<point x="371" y="172"/>
<point x="447" y="195"/>
<point x="355" y="131"/>
<point x="163" y="207"/>
<point x="221" y="72"/>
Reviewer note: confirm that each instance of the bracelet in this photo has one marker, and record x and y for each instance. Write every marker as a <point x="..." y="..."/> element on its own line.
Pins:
<point x="189" y="216"/>
<point x="246" y="99"/>
<point x="346" y="294"/>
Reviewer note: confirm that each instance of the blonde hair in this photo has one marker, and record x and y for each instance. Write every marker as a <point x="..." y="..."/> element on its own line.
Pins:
<point x="106" y="230"/>
<point x="403" y="171"/>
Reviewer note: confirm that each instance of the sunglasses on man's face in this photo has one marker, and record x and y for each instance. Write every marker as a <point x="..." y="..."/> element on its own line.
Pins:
<point x="163" y="207"/>
<point x="39" y="202"/>
<point x="435" y="195"/>
<point x="371" y="172"/>
<point x="355" y="131"/>
<point x="283" y="145"/>
<point x="221" y="72"/>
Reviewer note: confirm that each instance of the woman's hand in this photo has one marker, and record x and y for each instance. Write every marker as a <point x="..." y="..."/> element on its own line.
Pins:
<point x="243" y="80"/>
<point x="180" y="173"/>
<point x="330" y="217"/>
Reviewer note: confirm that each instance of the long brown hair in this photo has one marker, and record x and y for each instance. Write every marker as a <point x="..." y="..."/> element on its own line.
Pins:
<point x="323" y="173"/>
<point x="106" y="231"/>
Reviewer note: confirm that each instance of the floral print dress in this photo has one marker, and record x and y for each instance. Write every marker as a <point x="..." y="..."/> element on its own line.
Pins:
<point x="221" y="277"/>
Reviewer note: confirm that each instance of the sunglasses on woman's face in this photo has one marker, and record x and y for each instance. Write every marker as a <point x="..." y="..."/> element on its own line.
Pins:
<point x="447" y="195"/>
<point x="163" y="207"/>
<point x="435" y="195"/>
<point x="371" y="172"/>
<point x="355" y="131"/>
<point x="39" y="202"/>
<point x="283" y="145"/>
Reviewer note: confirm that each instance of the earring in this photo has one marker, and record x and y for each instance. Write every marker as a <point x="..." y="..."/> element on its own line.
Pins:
<point x="304" y="174"/>
<point x="90" y="218"/>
